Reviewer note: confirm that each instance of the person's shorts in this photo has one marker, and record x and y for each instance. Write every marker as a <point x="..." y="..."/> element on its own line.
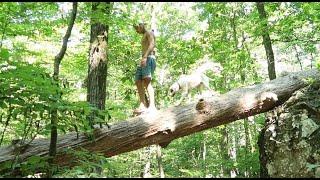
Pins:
<point x="148" y="70"/>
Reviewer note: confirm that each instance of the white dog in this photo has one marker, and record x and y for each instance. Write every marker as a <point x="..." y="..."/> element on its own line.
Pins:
<point x="197" y="79"/>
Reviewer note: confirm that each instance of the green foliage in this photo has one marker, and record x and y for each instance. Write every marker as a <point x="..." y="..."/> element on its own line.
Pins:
<point x="90" y="165"/>
<point x="28" y="167"/>
<point x="312" y="166"/>
<point x="34" y="164"/>
<point x="28" y="94"/>
<point x="229" y="33"/>
<point x="26" y="97"/>
<point x="27" y="18"/>
<point x="318" y="63"/>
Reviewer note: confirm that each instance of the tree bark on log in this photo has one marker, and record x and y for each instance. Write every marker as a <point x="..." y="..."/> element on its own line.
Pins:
<point x="172" y="123"/>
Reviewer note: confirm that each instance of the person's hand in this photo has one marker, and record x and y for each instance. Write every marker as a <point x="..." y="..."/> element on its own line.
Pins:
<point x="143" y="62"/>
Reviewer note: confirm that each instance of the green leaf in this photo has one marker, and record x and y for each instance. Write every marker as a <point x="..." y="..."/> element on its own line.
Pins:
<point x="4" y="54"/>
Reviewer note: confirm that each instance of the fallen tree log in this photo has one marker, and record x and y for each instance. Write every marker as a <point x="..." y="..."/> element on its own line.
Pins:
<point x="172" y="123"/>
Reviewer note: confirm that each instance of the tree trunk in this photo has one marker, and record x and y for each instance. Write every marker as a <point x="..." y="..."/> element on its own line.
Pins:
<point x="97" y="66"/>
<point x="172" y="123"/>
<point x="233" y="150"/>
<point x="247" y="141"/>
<point x="245" y="120"/>
<point x="146" y="173"/>
<point x="311" y="60"/>
<point x="234" y="30"/>
<point x="262" y="155"/>
<point x="291" y="136"/>
<point x="57" y="60"/>
<point x="266" y="40"/>
<point x="224" y="147"/>
<point x="4" y="27"/>
<point x="224" y="169"/>
<point x="204" y="156"/>
<point x="297" y="56"/>
<point x="159" y="159"/>
<point x="271" y="65"/>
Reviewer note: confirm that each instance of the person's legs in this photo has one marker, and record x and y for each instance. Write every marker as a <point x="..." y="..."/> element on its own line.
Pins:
<point x="151" y="65"/>
<point x="143" y="80"/>
<point x="147" y="84"/>
<point x="141" y="92"/>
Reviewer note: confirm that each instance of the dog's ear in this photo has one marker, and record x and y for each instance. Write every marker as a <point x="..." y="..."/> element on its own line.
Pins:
<point x="172" y="92"/>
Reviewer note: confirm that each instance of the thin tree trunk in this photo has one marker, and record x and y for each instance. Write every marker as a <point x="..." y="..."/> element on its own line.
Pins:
<point x="311" y="61"/>
<point x="3" y="34"/>
<point x="255" y="73"/>
<point x="147" y="167"/>
<point x="247" y="141"/>
<point x="236" y="136"/>
<point x="271" y="69"/>
<point x="57" y="60"/>
<point x="224" y="151"/>
<point x="234" y="30"/>
<point x="97" y="65"/>
<point x="266" y="40"/>
<point x="297" y="56"/>
<point x="4" y="29"/>
<point x="159" y="158"/>
<point x="245" y="120"/>
<point x="248" y="133"/>
<point x="224" y="148"/>
<point x="233" y="150"/>
<point x="252" y="132"/>
<point x="204" y="155"/>
<point x="7" y="122"/>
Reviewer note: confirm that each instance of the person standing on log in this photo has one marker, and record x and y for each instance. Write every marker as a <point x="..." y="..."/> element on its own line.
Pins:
<point x="145" y="70"/>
